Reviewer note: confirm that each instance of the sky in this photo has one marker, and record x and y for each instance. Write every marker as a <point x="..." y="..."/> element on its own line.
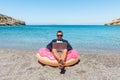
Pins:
<point x="48" y="12"/>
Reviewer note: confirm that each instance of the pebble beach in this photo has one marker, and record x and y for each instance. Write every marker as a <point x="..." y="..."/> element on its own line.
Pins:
<point x="23" y="65"/>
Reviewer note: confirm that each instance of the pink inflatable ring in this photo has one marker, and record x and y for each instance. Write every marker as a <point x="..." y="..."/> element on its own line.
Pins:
<point x="46" y="57"/>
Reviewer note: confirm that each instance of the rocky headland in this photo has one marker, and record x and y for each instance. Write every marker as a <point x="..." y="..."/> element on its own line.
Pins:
<point x="9" y="21"/>
<point x="115" y="22"/>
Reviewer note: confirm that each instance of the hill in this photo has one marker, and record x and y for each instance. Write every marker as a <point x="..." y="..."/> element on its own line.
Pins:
<point x="115" y="22"/>
<point x="6" y="20"/>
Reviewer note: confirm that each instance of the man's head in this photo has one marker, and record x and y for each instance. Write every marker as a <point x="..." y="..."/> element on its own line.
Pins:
<point x="59" y="34"/>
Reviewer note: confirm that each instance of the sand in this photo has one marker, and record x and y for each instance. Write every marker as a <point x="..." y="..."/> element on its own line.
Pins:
<point x="23" y="65"/>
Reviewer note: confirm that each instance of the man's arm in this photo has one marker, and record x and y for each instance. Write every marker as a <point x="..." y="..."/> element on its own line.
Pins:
<point x="69" y="47"/>
<point x="49" y="46"/>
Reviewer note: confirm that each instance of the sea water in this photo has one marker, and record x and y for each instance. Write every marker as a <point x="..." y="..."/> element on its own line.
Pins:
<point x="84" y="38"/>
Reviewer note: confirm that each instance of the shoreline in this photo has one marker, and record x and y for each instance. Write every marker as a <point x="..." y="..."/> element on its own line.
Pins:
<point x="23" y="65"/>
<point x="84" y="51"/>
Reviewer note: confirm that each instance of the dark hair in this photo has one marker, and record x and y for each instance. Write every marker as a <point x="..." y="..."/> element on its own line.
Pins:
<point x="59" y="31"/>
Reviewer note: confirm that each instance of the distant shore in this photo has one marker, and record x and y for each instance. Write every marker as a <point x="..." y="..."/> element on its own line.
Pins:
<point x="9" y="21"/>
<point x="23" y="65"/>
<point x="115" y="22"/>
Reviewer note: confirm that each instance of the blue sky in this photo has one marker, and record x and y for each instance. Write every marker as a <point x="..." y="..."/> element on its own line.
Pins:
<point x="62" y="11"/>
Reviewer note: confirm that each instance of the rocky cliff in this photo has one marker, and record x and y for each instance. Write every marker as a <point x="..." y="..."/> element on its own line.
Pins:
<point x="6" y="20"/>
<point x="115" y="22"/>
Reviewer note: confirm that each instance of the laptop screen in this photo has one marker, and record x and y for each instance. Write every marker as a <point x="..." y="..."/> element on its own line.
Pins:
<point x="59" y="46"/>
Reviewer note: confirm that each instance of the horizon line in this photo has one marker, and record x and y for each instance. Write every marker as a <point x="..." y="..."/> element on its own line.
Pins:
<point x="64" y="24"/>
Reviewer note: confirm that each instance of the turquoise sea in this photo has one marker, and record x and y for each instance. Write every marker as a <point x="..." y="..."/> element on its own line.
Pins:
<point x="84" y="38"/>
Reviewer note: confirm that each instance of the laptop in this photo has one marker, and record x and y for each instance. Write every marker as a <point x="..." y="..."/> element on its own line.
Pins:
<point x="59" y="46"/>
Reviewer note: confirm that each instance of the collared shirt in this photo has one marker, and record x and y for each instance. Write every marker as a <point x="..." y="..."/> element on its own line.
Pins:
<point x="49" y="46"/>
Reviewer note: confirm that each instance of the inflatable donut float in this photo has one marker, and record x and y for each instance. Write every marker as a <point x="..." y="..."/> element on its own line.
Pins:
<point x="44" y="56"/>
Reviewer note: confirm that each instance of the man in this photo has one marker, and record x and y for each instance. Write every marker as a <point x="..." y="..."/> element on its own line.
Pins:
<point x="60" y="56"/>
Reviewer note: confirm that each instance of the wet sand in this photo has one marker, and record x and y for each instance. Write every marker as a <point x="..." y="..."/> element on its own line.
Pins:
<point x="23" y="65"/>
